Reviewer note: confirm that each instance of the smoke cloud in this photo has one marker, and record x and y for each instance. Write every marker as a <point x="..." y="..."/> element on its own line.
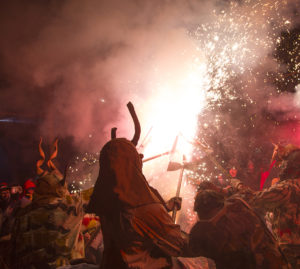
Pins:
<point x="73" y="65"/>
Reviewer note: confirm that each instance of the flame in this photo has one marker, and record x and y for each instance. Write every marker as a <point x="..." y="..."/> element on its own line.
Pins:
<point x="174" y="111"/>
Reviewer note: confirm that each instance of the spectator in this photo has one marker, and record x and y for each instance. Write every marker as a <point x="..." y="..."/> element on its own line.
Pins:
<point x="8" y="208"/>
<point x="28" y="187"/>
<point x="230" y="233"/>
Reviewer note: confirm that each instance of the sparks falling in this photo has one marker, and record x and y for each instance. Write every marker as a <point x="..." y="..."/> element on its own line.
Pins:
<point x="209" y="84"/>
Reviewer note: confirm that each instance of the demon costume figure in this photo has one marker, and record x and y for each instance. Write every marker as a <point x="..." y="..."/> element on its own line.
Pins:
<point x="137" y="230"/>
<point x="46" y="231"/>
<point x="283" y="201"/>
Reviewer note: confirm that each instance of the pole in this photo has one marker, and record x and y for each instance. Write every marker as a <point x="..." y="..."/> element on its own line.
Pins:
<point x="178" y="190"/>
<point x="142" y="145"/>
<point x="155" y="157"/>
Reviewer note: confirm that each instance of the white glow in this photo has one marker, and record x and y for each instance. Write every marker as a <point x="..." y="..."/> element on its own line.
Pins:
<point x="175" y="108"/>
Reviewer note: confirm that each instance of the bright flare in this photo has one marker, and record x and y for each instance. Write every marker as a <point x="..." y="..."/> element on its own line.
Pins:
<point x="174" y="111"/>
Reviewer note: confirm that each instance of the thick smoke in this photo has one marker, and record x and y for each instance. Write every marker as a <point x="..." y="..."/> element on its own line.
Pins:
<point x="72" y="66"/>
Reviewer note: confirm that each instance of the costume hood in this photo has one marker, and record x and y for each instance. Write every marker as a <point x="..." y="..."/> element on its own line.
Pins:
<point x="121" y="183"/>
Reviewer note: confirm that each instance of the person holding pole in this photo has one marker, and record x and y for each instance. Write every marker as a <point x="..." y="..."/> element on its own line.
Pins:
<point x="137" y="230"/>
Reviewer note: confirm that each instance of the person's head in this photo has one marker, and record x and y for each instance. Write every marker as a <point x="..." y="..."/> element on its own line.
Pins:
<point x="250" y="166"/>
<point x="4" y="192"/>
<point x="233" y="171"/>
<point x="207" y="185"/>
<point x="29" y="188"/>
<point x="290" y="166"/>
<point x="220" y="179"/>
<point x="119" y="150"/>
<point x="208" y="202"/>
<point x="50" y="185"/>
<point x="287" y="159"/>
<point x="51" y="182"/>
<point x="280" y="153"/>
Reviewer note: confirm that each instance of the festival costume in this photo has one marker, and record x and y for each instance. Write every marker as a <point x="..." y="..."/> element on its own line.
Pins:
<point x="46" y="230"/>
<point x="235" y="237"/>
<point x="283" y="200"/>
<point x="137" y="230"/>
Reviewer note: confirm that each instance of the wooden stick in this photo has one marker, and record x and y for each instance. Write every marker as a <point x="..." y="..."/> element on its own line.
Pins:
<point x="142" y="145"/>
<point x="178" y="191"/>
<point x="156" y="156"/>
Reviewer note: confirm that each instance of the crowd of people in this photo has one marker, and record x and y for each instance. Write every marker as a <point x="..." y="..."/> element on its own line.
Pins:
<point x="123" y="222"/>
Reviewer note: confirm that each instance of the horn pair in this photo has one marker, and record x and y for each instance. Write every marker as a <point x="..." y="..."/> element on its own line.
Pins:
<point x="50" y="164"/>
<point x="137" y="126"/>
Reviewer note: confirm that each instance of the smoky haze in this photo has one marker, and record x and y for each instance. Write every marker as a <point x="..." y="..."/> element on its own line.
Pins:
<point x="71" y="66"/>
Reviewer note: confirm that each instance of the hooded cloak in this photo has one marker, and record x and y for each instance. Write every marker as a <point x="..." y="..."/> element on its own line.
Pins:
<point x="137" y="230"/>
<point x="121" y="183"/>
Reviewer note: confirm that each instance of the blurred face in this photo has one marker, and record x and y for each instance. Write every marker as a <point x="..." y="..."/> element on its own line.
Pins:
<point x="278" y="152"/>
<point x="250" y="166"/>
<point x="233" y="172"/>
<point x="29" y="194"/>
<point x="5" y="195"/>
<point x="220" y="179"/>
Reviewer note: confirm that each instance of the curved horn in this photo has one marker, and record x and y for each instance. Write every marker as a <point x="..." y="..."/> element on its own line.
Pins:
<point x="113" y="133"/>
<point x="137" y="126"/>
<point x="40" y="162"/>
<point x="53" y="156"/>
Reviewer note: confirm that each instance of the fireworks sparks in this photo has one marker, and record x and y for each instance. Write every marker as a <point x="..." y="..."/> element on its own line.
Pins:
<point x="82" y="173"/>
<point x="218" y="88"/>
<point x="230" y="48"/>
<point x="236" y="48"/>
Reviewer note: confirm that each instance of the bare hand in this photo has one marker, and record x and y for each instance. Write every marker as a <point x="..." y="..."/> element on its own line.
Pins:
<point x="173" y="203"/>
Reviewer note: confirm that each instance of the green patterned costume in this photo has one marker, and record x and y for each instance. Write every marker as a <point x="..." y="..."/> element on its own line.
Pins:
<point x="46" y="231"/>
<point x="283" y="200"/>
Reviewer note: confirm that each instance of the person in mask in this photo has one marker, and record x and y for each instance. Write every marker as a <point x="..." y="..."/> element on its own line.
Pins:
<point x="137" y="230"/>
<point x="283" y="201"/>
<point x="46" y="231"/>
